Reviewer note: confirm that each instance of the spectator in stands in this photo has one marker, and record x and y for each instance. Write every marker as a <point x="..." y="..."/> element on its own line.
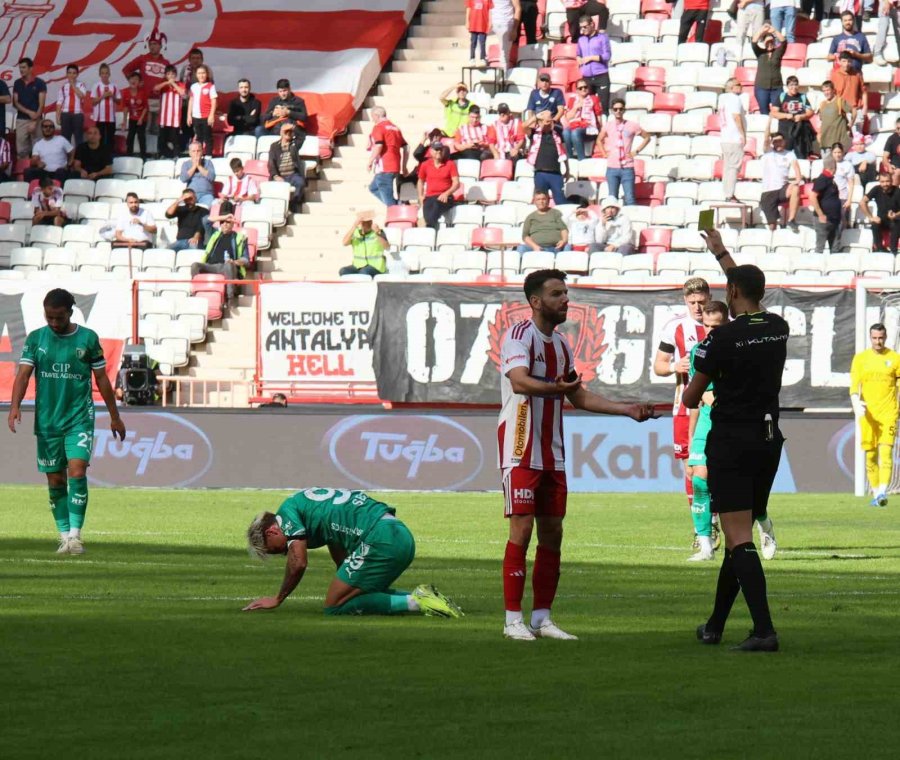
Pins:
<point x="582" y="120"/>
<point x="279" y="401"/>
<point x="733" y="135"/>
<point x="29" y="94"/>
<point x="477" y="23"/>
<point x="783" y="14"/>
<point x="888" y="11"/>
<point x="202" y="108"/>
<point x="509" y="135"/>
<point x="285" y="164"/>
<point x="47" y="200"/>
<point x="422" y="151"/>
<point x="505" y="18"/>
<point x="104" y="104"/>
<point x="226" y="253"/>
<point x="388" y="156"/>
<point x="239" y="186"/>
<point x="171" y="94"/>
<point x="5" y="99"/>
<point x="187" y="78"/>
<point x="473" y="139"/>
<point x="51" y="156"/>
<point x="816" y="7"/>
<point x="793" y="112"/>
<point x="530" y="13"/>
<point x="456" y="111"/>
<point x="835" y="118"/>
<point x="886" y="218"/>
<point x="853" y="42"/>
<point x="777" y="188"/>
<point x="69" y="110"/>
<point x="244" y="110"/>
<point x="152" y="70"/>
<point x="5" y="159"/>
<point x="136" y="110"/>
<point x="750" y="17"/>
<point x="545" y="97"/>
<point x="191" y="221"/>
<point x="696" y="12"/>
<point x="544" y="228"/>
<point x="547" y="156"/>
<point x="848" y="84"/>
<point x="578" y="9"/>
<point x="135" y="226"/>
<point x="890" y="159"/>
<point x="863" y="160"/>
<point x="845" y="179"/>
<point x="826" y="202"/>
<point x="594" y="53"/>
<point x="93" y="160"/>
<point x="438" y="181"/>
<point x="614" y="232"/>
<point x="582" y="229"/>
<point x="616" y="144"/>
<point x="369" y="243"/>
<point x="285" y="107"/>
<point x="768" y="85"/>
<point x="199" y="175"/>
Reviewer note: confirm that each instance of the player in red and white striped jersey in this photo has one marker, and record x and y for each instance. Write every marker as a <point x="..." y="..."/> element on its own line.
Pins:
<point x="537" y="369"/>
<point x="679" y="336"/>
<point x="69" y="113"/>
<point x="171" y="94"/>
<point x="104" y="102"/>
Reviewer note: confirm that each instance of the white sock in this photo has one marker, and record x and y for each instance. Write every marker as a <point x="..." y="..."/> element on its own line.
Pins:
<point x="705" y="544"/>
<point x="513" y="616"/>
<point x="766" y="525"/>
<point x="538" y="617"/>
<point x="412" y="604"/>
<point x="882" y="490"/>
<point x="75" y="533"/>
<point x="63" y="536"/>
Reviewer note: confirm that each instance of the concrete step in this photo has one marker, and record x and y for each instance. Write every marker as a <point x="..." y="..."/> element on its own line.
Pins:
<point x="443" y="15"/>
<point x="437" y="32"/>
<point x="430" y="70"/>
<point x="446" y="52"/>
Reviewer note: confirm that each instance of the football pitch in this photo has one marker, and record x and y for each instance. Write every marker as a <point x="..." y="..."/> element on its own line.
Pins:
<point x="138" y="649"/>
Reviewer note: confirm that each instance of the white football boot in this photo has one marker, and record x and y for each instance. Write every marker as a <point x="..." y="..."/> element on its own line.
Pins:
<point x="550" y="630"/>
<point x="517" y="631"/>
<point x="767" y="539"/>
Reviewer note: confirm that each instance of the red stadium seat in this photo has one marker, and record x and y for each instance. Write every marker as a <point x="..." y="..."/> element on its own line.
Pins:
<point x="401" y="217"/>
<point x="713" y="33"/>
<point x="5" y="212"/>
<point x="668" y="102"/>
<point x="559" y="75"/>
<point x="485" y="237"/>
<point x="655" y="240"/>
<point x="656" y="9"/>
<point x="750" y="148"/>
<point x="563" y="51"/>
<point x="493" y="58"/>
<point x="18" y="172"/>
<point x="214" y="302"/>
<point x="795" y="55"/>
<point x="649" y="193"/>
<point x="252" y="235"/>
<point x="806" y="31"/>
<point x="746" y="75"/>
<point x="719" y="166"/>
<point x="258" y="169"/>
<point x="713" y="127"/>
<point x="502" y="169"/>
<point x="873" y="99"/>
<point x="650" y="78"/>
<point x="640" y="170"/>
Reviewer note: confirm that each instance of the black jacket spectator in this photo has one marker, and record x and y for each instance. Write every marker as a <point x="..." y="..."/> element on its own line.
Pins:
<point x="296" y="112"/>
<point x="241" y="117"/>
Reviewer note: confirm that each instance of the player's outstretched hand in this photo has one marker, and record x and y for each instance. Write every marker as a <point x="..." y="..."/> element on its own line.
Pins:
<point x="118" y="428"/>
<point x="263" y="603"/>
<point x="567" y="386"/>
<point x="714" y="241"/>
<point x="642" y="412"/>
<point x="15" y="416"/>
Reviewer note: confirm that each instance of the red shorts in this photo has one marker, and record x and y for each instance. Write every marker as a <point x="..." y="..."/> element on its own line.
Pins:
<point x="534" y="492"/>
<point x="681" y="423"/>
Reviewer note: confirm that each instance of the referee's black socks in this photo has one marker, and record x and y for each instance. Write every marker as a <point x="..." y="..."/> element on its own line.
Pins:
<point x="726" y="592"/>
<point x="749" y="573"/>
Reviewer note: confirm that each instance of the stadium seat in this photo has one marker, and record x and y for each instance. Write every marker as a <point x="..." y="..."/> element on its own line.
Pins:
<point x="754" y="241"/>
<point x="467" y="217"/>
<point x="687" y="240"/>
<point x="638" y="263"/>
<point x="26" y="260"/>
<point x="159" y="261"/>
<point x="176" y="334"/>
<point x="435" y="262"/>
<point x="13" y="190"/>
<point x="605" y="264"/>
<point x="144" y="188"/>
<point x="502" y="169"/>
<point x="453" y="239"/>
<point x="673" y="265"/>
<point x="21" y="211"/>
<point x="242" y="146"/>
<point x="693" y="55"/>
<point x="125" y="260"/>
<point x="534" y="260"/>
<point x="482" y="192"/>
<point x="469" y="261"/>
<point x="657" y="10"/>
<point x="193" y="312"/>
<point x="184" y="259"/>
<point x="505" y="261"/>
<point x="263" y="144"/>
<point x="422" y="238"/>
<point x="654" y="240"/>
<point x="112" y="190"/>
<point x="562" y="53"/>
<point x="650" y="78"/>
<point x="45" y="236"/>
<point x="401" y="216"/>
<point x="486" y="237"/>
<point x="59" y="260"/>
<point x="500" y="216"/>
<point x="127" y="167"/>
<point x="92" y="260"/>
<point x="574" y="262"/>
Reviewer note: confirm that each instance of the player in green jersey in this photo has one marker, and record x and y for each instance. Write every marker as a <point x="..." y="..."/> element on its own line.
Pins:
<point x="370" y="547"/>
<point x="715" y="313"/>
<point x="62" y="357"/>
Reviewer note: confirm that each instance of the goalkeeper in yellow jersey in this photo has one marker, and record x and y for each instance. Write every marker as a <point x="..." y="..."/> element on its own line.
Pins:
<point x="874" y="375"/>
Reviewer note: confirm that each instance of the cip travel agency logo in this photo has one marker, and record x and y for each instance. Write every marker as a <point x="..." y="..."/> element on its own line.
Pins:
<point x="404" y="451"/>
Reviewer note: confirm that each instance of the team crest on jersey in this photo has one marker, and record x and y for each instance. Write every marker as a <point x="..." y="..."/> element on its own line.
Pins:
<point x="56" y="33"/>
<point x="585" y="332"/>
<point x="80" y="353"/>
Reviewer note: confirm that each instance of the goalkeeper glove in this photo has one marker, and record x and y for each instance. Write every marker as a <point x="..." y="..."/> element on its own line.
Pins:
<point x="859" y="406"/>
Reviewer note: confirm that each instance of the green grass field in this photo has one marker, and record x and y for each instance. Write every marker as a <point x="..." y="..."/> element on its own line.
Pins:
<point x="138" y="649"/>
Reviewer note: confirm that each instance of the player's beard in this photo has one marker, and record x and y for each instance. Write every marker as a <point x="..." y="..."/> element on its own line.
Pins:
<point x="554" y="316"/>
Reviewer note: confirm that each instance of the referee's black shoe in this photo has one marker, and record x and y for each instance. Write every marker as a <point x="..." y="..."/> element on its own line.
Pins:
<point x="708" y="637"/>
<point x="754" y="643"/>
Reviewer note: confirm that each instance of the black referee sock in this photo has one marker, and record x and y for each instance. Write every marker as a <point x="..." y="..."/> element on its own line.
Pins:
<point x="726" y="592"/>
<point x="750" y="575"/>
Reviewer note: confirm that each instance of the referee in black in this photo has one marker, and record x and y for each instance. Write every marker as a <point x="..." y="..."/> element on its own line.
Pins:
<point x="745" y="360"/>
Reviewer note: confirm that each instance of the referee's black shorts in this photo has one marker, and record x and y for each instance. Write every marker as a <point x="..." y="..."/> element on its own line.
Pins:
<point x="742" y="465"/>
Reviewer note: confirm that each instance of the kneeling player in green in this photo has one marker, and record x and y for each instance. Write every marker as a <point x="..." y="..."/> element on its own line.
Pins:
<point x="715" y="313"/>
<point x="62" y="356"/>
<point x="370" y="547"/>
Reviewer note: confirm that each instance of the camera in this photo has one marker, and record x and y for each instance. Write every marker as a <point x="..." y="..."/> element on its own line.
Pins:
<point x="136" y="378"/>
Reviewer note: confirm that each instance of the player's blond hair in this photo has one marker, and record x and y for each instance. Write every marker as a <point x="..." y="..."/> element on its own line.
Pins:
<point x="256" y="535"/>
<point x="695" y="285"/>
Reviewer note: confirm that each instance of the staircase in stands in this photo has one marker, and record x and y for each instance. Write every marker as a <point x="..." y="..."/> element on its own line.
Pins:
<point x="309" y="247"/>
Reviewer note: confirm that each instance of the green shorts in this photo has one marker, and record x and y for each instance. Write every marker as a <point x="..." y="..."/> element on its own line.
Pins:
<point x="697" y="451"/>
<point x="388" y="549"/>
<point x="55" y="452"/>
